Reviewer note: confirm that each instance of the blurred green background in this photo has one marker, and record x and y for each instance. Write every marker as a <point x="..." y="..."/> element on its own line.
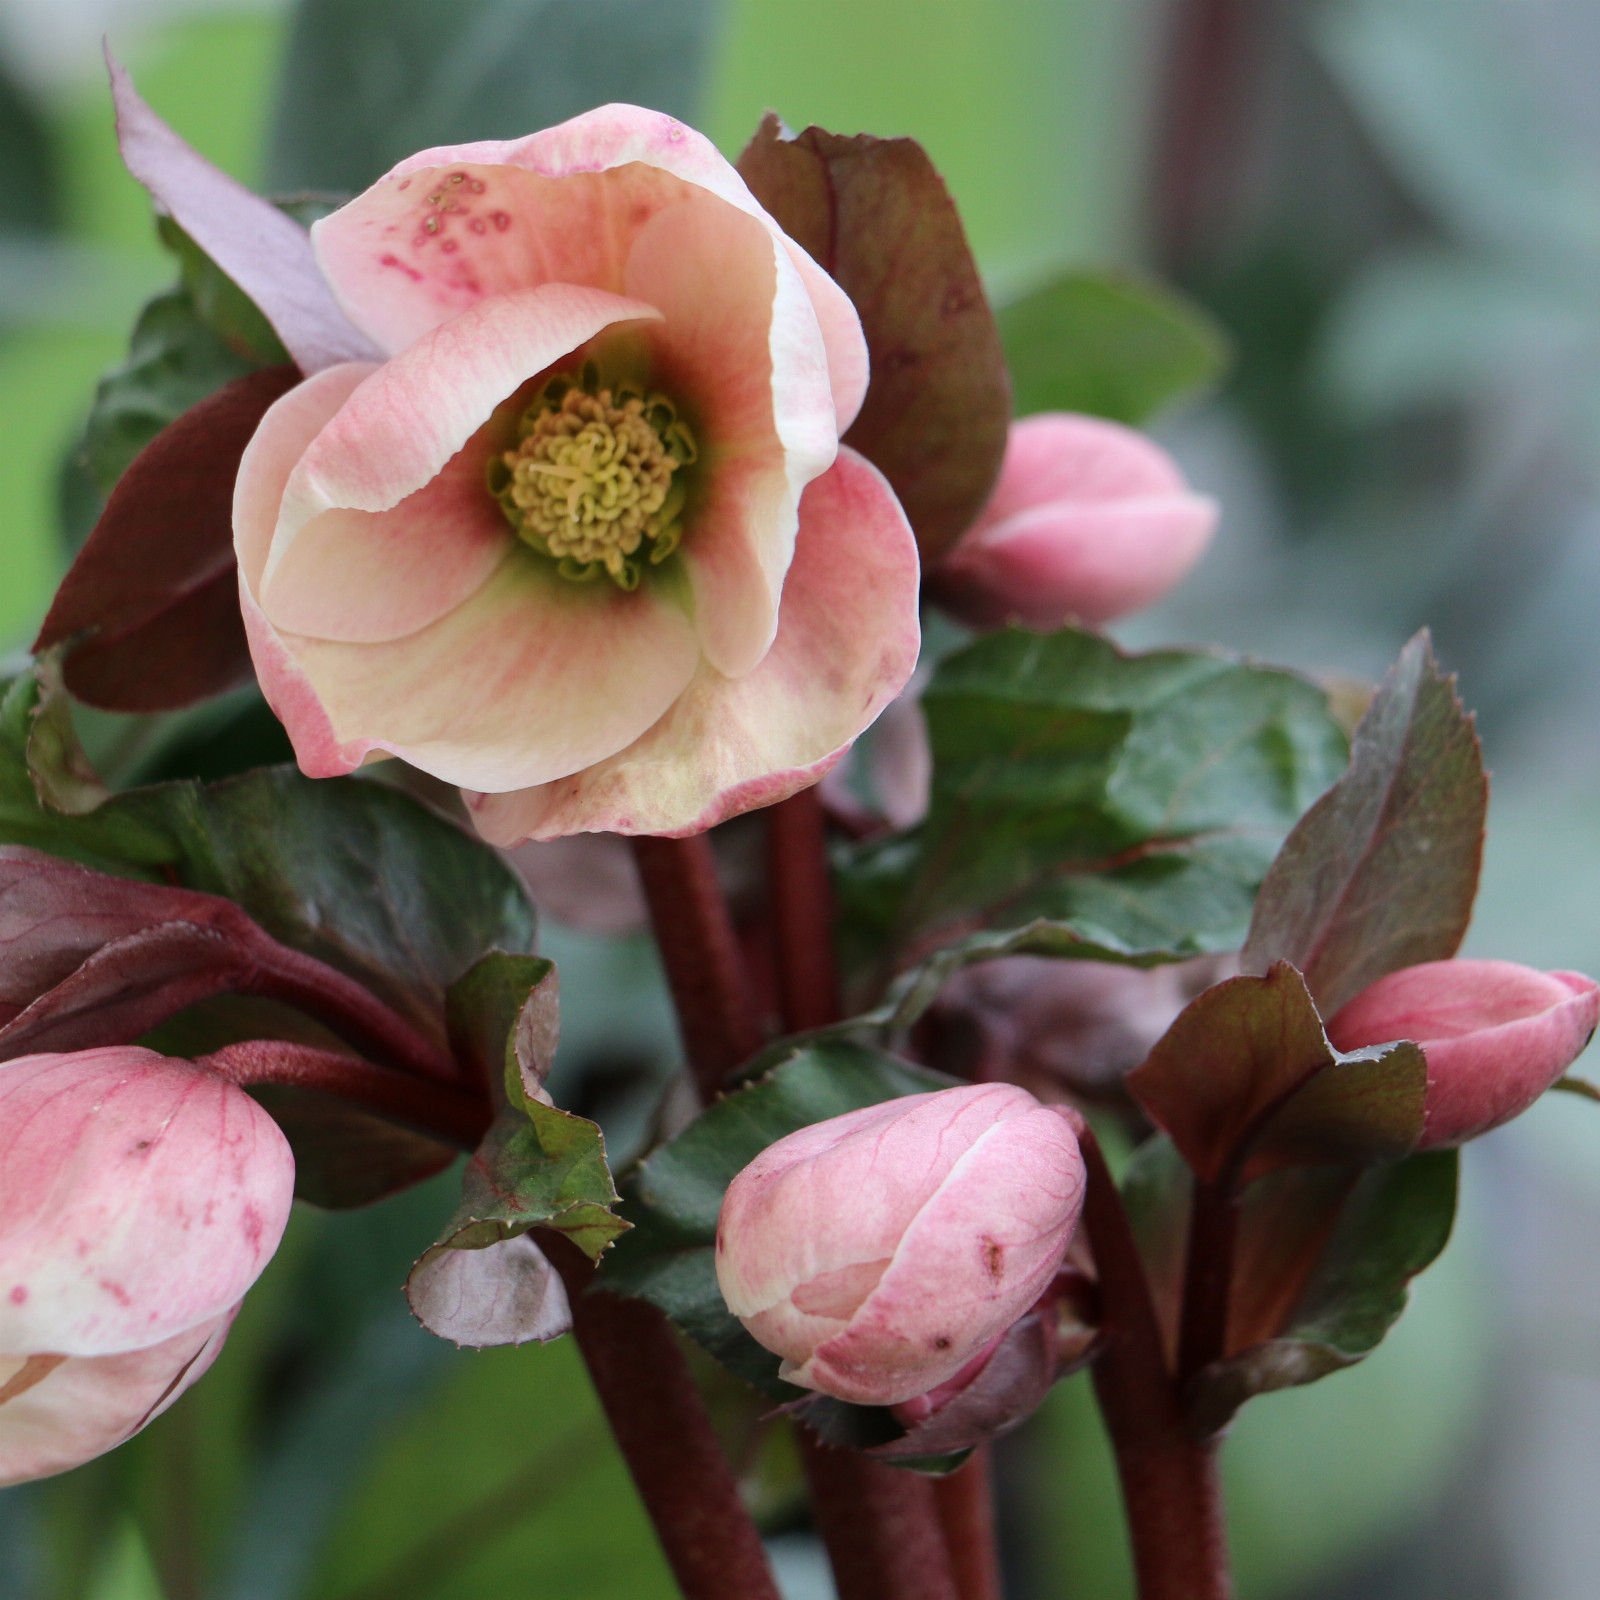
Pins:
<point x="1393" y="207"/>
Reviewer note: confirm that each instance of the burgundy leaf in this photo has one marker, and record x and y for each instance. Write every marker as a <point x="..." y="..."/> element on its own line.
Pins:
<point x="154" y="592"/>
<point x="876" y="215"/>
<point x="1381" y="872"/>
<point x="89" y="959"/>
<point x="265" y="252"/>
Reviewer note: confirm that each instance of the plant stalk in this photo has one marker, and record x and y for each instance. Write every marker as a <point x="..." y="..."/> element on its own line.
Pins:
<point x="1170" y="1484"/>
<point x="700" y="951"/>
<point x="802" y="912"/>
<point x="880" y="1524"/>
<point x="965" y="1501"/>
<point x="1207" y="1277"/>
<point x="665" y="1435"/>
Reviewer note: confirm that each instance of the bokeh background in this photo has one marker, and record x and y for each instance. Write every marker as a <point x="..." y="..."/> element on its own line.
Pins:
<point x="1393" y="209"/>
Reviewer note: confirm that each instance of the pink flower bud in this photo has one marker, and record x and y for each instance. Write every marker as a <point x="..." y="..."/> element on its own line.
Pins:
<point x="1496" y="1036"/>
<point x="140" y="1197"/>
<point x="1089" y="521"/>
<point x="879" y="1253"/>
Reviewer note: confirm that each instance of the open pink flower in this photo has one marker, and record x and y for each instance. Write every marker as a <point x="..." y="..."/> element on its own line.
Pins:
<point x="140" y="1197"/>
<point x="1089" y="521"/>
<point x="586" y="543"/>
<point x="882" y="1252"/>
<point x="1496" y="1035"/>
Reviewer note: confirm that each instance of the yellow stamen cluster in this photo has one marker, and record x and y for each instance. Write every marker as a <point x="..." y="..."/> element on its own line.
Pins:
<point x="592" y="478"/>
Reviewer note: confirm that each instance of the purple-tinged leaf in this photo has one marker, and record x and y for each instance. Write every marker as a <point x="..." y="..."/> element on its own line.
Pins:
<point x="1245" y="1080"/>
<point x="875" y="214"/>
<point x="150" y="607"/>
<point x="506" y="1293"/>
<point x="1381" y="872"/>
<point x="266" y="253"/>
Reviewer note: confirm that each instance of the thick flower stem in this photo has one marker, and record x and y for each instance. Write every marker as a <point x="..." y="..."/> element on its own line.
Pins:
<point x="661" y="1427"/>
<point x="880" y="1524"/>
<point x="1170" y="1485"/>
<point x="965" y="1499"/>
<point x="700" y="951"/>
<point x="802" y="912"/>
<point x="1208" y="1277"/>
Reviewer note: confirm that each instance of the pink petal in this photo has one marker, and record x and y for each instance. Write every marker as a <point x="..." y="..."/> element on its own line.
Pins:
<point x="391" y="439"/>
<point x="847" y="642"/>
<point x="88" y="1405"/>
<point x="1075" y="561"/>
<point x="527" y="681"/>
<point x="1058" y="455"/>
<point x="562" y="205"/>
<point x="139" y="1197"/>
<point x="978" y="1255"/>
<point x="740" y="349"/>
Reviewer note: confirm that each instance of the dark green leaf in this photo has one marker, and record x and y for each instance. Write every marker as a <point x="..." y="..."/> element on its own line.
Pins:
<point x="1132" y="802"/>
<point x="876" y="215"/>
<point x="1394" y="1223"/>
<point x="1245" y="1077"/>
<point x="1108" y="344"/>
<point x="673" y="1197"/>
<point x="220" y="303"/>
<point x="469" y="69"/>
<point x="1381" y="873"/>
<point x="350" y="871"/>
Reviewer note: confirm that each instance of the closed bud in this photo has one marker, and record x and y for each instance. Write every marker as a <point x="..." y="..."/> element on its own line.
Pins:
<point x="1496" y="1036"/>
<point x="140" y="1197"/>
<point x="880" y="1253"/>
<point x="1089" y="521"/>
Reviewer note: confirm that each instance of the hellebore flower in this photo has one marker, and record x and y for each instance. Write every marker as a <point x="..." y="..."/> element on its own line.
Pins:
<point x="1496" y="1035"/>
<point x="1089" y="521"/>
<point x="586" y="544"/>
<point x="140" y="1197"/>
<point x="880" y="1253"/>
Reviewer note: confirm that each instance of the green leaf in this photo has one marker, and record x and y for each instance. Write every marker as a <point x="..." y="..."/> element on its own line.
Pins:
<point x="1132" y="803"/>
<point x="1108" y="344"/>
<point x="220" y="303"/>
<point x="350" y="871"/>
<point x="1245" y="1077"/>
<point x="874" y="213"/>
<point x="674" y="1195"/>
<point x="482" y="1281"/>
<point x="469" y="69"/>
<point x="1394" y="1223"/>
<point x="1381" y="873"/>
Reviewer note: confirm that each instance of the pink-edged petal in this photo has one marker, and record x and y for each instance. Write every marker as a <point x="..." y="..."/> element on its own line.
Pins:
<point x="847" y="642"/>
<point x="400" y="427"/>
<point x="86" y="1405"/>
<point x="285" y="432"/>
<point x="1070" y="560"/>
<point x="1059" y="455"/>
<point x="740" y="349"/>
<point x="564" y="205"/>
<point x="978" y="1255"/>
<point x="371" y="576"/>
<point x="139" y="1197"/>
<point x="528" y="680"/>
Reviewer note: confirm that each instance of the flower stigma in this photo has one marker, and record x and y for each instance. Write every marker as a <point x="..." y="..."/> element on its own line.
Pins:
<point x="593" y="481"/>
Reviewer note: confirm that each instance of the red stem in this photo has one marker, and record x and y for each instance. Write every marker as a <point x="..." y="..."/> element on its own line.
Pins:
<point x="666" y="1437"/>
<point x="880" y="1525"/>
<point x="1207" y="1278"/>
<point x="1169" y="1478"/>
<point x="965" y="1501"/>
<point x="436" y="1109"/>
<point x="700" y="952"/>
<point x="802" y="912"/>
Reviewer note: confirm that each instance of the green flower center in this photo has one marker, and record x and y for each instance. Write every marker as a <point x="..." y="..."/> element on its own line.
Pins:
<point x="594" y="481"/>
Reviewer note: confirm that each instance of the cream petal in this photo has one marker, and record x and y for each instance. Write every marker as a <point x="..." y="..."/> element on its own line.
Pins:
<point x="739" y="347"/>
<point x="847" y="642"/>
<point x="530" y="679"/>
